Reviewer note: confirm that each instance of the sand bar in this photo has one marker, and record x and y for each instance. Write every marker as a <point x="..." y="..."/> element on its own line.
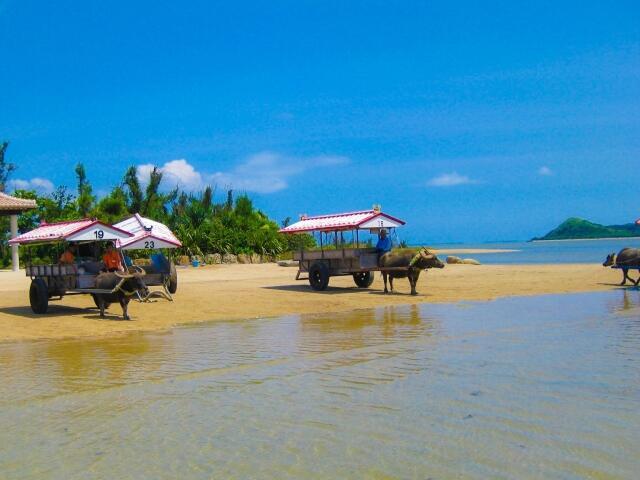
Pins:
<point x="229" y="292"/>
<point x="472" y="251"/>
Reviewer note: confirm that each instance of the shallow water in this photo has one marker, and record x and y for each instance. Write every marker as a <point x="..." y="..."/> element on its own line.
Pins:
<point x="531" y="387"/>
<point x="565" y="251"/>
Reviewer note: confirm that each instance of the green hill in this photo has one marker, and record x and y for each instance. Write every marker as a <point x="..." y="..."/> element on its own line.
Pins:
<point x="577" y="228"/>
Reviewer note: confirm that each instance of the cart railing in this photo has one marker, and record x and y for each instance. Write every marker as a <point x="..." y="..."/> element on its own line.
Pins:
<point x="51" y="270"/>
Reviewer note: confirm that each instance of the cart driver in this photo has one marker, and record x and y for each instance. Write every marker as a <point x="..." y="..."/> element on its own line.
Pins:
<point x="384" y="243"/>
<point x="111" y="259"/>
<point x="69" y="255"/>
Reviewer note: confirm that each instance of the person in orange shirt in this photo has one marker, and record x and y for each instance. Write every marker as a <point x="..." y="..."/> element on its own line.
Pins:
<point x="68" y="257"/>
<point x="111" y="259"/>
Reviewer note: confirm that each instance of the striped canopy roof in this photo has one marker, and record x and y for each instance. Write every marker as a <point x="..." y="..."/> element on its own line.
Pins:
<point x="73" y="231"/>
<point x="365" y="219"/>
<point x="147" y="234"/>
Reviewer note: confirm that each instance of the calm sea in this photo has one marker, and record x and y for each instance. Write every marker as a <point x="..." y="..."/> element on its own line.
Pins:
<point x="518" y="388"/>
<point x="565" y="251"/>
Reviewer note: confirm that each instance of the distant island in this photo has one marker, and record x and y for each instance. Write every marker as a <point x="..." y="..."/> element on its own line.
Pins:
<point x="578" y="228"/>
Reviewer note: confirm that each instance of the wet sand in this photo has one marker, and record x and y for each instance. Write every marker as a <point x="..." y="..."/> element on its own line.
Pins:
<point x="471" y="251"/>
<point x="227" y="292"/>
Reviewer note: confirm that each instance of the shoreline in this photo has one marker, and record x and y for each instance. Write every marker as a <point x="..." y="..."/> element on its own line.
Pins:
<point x="585" y="239"/>
<point x="473" y="251"/>
<point x="239" y="292"/>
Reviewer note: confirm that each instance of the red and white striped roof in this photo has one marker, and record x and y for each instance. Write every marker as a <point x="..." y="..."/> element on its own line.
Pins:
<point x="73" y="231"/>
<point x="365" y="219"/>
<point x="147" y="234"/>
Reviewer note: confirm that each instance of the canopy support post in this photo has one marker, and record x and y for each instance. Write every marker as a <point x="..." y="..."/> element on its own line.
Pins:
<point x="15" y="257"/>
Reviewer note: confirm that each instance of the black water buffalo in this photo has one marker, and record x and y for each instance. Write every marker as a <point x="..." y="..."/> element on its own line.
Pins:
<point x="123" y="287"/>
<point x="415" y="263"/>
<point x="625" y="259"/>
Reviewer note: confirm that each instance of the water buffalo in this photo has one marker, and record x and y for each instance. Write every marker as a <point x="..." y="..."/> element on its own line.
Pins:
<point x="625" y="259"/>
<point x="125" y="284"/>
<point x="415" y="263"/>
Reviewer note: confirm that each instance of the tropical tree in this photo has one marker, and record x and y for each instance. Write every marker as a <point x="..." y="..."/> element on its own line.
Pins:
<point x="113" y="207"/>
<point x="58" y="206"/>
<point x="5" y="167"/>
<point x="135" y="196"/>
<point x="85" y="200"/>
<point x="153" y="202"/>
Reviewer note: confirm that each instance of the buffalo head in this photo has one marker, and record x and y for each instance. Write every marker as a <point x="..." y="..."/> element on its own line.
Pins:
<point x="134" y="280"/>
<point x="611" y="260"/>
<point x="427" y="259"/>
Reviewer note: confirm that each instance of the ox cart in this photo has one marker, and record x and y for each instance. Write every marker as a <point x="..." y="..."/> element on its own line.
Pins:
<point x="53" y="281"/>
<point x="338" y="256"/>
<point x="153" y="236"/>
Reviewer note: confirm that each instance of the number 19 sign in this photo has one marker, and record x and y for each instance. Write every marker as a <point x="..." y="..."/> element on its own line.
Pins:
<point x="97" y="232"/>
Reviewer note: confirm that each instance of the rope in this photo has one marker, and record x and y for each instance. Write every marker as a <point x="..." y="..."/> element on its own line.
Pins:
<point x="414" y="260"/>
<point x="394" y="238"/>
<point x="118" y="287"/>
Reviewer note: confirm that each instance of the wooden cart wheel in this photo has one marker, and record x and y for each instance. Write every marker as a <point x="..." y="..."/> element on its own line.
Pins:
<point x="173" y="279"/>
<point x="95" y="300"/>
<point x="39" y="296"/>
<point x="318" y="276"/>
<point x="363" y="279"/>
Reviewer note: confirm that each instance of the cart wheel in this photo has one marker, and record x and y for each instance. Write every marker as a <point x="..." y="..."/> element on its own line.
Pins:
<point x="173" y="279"/>
<point x="95" y="300"/>
<point x="363" y="279"/>
<point x="318" y="276"/>
<point x="39" y="296"/>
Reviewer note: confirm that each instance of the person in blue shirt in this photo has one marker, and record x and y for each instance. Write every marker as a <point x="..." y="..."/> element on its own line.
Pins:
<point x="384" y="243"/>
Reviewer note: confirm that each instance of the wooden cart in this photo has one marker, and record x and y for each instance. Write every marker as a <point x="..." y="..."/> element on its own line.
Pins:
<point x="340" y="257"/>
<point x="153" y="236"/>
<point x="54" y="281"/>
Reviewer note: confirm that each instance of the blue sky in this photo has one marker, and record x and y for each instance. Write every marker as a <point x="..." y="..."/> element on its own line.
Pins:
<point x="473" y="121"/>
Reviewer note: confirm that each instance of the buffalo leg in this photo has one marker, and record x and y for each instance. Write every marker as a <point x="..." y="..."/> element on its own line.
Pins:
<point x="625" y="276"/>
<point x="124" y="304"/>
<point x="101" y="305"/>
<point x="413" y="279"/>
<point x="384" y="278"/>
<point x="391" y="282"/>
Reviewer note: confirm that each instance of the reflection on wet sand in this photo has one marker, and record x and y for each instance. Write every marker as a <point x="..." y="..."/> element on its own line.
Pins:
<point x="630" y="300"/>
<point x="521" y="388"/>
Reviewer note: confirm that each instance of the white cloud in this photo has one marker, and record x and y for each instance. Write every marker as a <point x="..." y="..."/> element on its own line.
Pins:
<point x="40" y="185"/>
<point x="450" y="180"/>
<point x="268" y="172"/>
<point x="263" y="172"/>
<point x="545" y="171"/>
<point x="175" y="173"/>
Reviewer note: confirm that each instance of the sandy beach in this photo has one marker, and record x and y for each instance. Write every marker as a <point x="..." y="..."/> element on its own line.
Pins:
<point x="234" y="292"/>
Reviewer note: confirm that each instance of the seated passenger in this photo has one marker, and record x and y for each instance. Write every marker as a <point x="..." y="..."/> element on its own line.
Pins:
<point x="111" y="259"/>
<point x="384" y="243"/>
<point x="69" y="255"/>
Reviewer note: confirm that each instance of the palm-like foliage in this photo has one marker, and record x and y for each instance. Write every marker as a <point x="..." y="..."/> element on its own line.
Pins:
<point x="85" y="199"/>
<point x="203" y="226"/>
<point x="5" y="167"/>
<point x="135" y="197"/>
